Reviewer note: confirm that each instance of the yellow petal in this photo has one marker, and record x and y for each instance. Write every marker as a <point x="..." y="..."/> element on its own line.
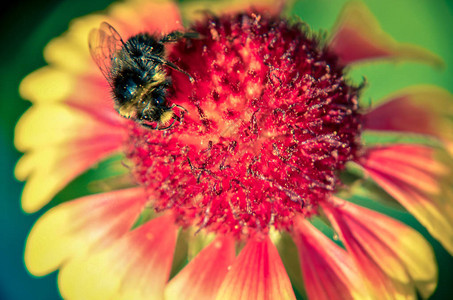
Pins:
<point x="45" y="125"/>
<point x="47" y="85"/>
<point x="70" y="51"/>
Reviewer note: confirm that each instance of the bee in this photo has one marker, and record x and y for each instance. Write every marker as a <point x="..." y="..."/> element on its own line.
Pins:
<point x="135" y="71"/>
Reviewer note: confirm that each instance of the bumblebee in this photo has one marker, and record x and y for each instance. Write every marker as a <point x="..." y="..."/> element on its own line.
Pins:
<point x="135" y="71"/>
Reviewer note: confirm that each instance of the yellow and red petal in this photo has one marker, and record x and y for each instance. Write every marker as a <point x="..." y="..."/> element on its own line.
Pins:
<point x="393" y="257"/>
<point x="71" y="127"/>
<point x="412" y="175"/>
<point x="357" y="36"/>
<point x="257" y="273"/>
<point x="89" y="93"/>
<point x="136" y="266"/>
<point x="202" y="277"/>
<point x="419" y="109"/>
<point x="329" y="272"/>
<point x="79" y="226"/>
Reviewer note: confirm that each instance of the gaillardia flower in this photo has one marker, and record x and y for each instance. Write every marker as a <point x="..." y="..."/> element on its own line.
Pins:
<point x="248" y="194"/>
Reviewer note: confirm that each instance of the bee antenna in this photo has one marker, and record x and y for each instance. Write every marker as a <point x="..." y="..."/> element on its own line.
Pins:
<point x="176" y="68"/>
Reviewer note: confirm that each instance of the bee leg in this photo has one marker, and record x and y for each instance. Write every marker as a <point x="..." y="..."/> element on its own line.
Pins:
<point x="171" y="65"/>
<point x="165" y="128"/>
<point x="147" y="126"/>
<point x="175" y="67"/>
<point x="175" y="36"/>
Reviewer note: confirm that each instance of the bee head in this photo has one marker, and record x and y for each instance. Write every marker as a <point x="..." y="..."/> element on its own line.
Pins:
<point x="152" y="107"/>
<point x="126" y="88"/>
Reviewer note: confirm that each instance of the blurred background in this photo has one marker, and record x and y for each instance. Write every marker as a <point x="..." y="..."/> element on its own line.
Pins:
<point x="27" y="26"/>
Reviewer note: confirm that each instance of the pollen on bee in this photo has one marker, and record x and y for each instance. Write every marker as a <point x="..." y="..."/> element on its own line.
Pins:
<point x="166" y="116"/>
<point x="126" y="111"/>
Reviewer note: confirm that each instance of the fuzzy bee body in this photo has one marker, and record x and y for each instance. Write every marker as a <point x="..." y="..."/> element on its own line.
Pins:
<point x="135" y="71"/>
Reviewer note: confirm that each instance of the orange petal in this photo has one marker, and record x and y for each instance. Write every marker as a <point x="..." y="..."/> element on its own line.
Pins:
<point x="419" y="109"/>
<point x="393" y="257"/>
<point x="357" y="36"/>
<point x="136" y="267"/>
<point x="329" y="272"/>
<point x="79" y="226"/>
<point x="202" y="277"/>
<point x="412" y="175"/>
<point x="257" y="273"/>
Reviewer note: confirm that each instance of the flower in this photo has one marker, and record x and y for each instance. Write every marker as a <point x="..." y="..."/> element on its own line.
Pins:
<point x="267" y="146"/>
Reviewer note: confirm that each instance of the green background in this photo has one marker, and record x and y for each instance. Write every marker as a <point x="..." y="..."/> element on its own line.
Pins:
<point x="26" y="27"/>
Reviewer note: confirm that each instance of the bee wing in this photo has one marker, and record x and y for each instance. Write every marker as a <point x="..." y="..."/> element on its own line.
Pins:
<point x="104" y="43"/>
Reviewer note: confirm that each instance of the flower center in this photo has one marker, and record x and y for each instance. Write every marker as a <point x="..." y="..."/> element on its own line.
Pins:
<point x="266" y="125"/>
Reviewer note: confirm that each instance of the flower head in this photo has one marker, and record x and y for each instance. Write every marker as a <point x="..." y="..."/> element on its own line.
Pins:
<point x="264" y="125"/>
<point x="269" y="120"/>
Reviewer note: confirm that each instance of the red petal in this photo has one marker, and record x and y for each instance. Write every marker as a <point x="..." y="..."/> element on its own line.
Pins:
<point x="79" y="226"/>
<point x="257" y="273"/>
<point x="412" y="175"/>
<point x="328" y="271"/>
<point x="202" y="277"/>
<point x="358" y="36"/>
<point x="136" y="267"/>
<point x="392" y="256"/>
